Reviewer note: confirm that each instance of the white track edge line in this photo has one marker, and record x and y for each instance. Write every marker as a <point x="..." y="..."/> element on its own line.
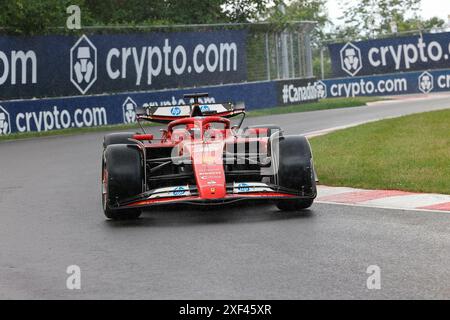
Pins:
<point x="381" y="207"/>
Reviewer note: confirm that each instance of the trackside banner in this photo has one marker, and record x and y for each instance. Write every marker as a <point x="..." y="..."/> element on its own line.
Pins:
<point x="90" y="111"/>
<point x="385" y="85"/>
<point x="297" y="91"/>
<point x="384" y="56"/>
<point x="50" y="66"/>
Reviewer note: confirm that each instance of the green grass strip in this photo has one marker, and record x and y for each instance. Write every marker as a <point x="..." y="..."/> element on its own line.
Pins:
<point x="411" y="153"/>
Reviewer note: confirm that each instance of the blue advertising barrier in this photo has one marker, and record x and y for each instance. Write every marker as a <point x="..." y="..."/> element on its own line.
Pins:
<point x="383" y="56"/>
<point x="54" y="66"/>
<point x="76" y="112"/>
<point x="89" y="111"/>
<point x="385" y="85"/>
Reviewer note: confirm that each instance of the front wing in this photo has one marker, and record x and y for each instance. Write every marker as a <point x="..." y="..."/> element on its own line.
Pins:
<point x="235" y="192"/>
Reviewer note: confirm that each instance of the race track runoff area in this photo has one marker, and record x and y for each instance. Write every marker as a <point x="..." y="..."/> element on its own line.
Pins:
<point x="51" y="218"/>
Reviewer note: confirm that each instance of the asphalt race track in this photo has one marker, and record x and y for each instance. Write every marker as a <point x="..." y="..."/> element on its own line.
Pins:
<point x="51" y="217"/>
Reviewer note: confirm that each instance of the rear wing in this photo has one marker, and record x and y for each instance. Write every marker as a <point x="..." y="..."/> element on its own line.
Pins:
<point x="166" y="114"/>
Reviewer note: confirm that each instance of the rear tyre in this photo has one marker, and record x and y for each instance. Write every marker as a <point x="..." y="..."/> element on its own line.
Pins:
<point x="118" y="138"/>
<point x="292" y="160"/>
<point x="122" y="177"/>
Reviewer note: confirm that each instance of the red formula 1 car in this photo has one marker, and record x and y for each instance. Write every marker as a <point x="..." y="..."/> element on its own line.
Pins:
<point x="202" y="159"/>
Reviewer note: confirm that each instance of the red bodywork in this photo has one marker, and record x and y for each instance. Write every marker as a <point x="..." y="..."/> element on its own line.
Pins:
<point x="197" y="138"/>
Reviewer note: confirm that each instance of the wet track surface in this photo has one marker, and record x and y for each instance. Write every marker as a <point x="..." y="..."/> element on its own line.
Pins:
<point x="51" y="218"/>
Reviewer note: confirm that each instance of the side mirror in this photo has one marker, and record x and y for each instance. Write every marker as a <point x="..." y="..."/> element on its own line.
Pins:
<point x="143" y="137"/>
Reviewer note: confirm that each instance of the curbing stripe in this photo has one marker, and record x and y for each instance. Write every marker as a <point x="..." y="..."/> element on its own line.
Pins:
<point x="363" y="196"/>
<point x="440" y="207"/>
<point x="387" y="199"/>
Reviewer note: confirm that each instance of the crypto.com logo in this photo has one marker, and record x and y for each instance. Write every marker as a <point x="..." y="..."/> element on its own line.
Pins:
<point x="83" y="64"/>
<point x="351" y="61"/>
<point x="426" y="82"/>
<point x="129" y="111"/>
<point x="5" y="122"/>
<point x="321" y="88"/>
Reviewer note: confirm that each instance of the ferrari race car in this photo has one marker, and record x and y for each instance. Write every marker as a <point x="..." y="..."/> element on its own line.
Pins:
<point x="203" y="159"/>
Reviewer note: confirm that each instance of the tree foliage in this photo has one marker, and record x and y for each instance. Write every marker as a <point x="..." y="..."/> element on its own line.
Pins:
<point x="113" y="12"/>
<point x="42" y="16"/>
<point x="372" y="18"/>
<point x="34" y="17"/>
<point x="245" y="10"/>
<point x="303" y="10"/>
<point x="419" y="24"/>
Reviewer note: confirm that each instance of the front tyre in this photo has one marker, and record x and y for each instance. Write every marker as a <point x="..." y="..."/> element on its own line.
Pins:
<point x="117" y="215"/>
<point x="294" y="205"/>
<point x="293" y="162"/>
<point x="122" y="177"/>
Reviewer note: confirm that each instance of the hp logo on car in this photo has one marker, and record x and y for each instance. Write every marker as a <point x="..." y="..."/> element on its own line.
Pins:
<point x="175" y="111"/>
<point x="179" y="191"/>
<point x="204" y="108"/>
